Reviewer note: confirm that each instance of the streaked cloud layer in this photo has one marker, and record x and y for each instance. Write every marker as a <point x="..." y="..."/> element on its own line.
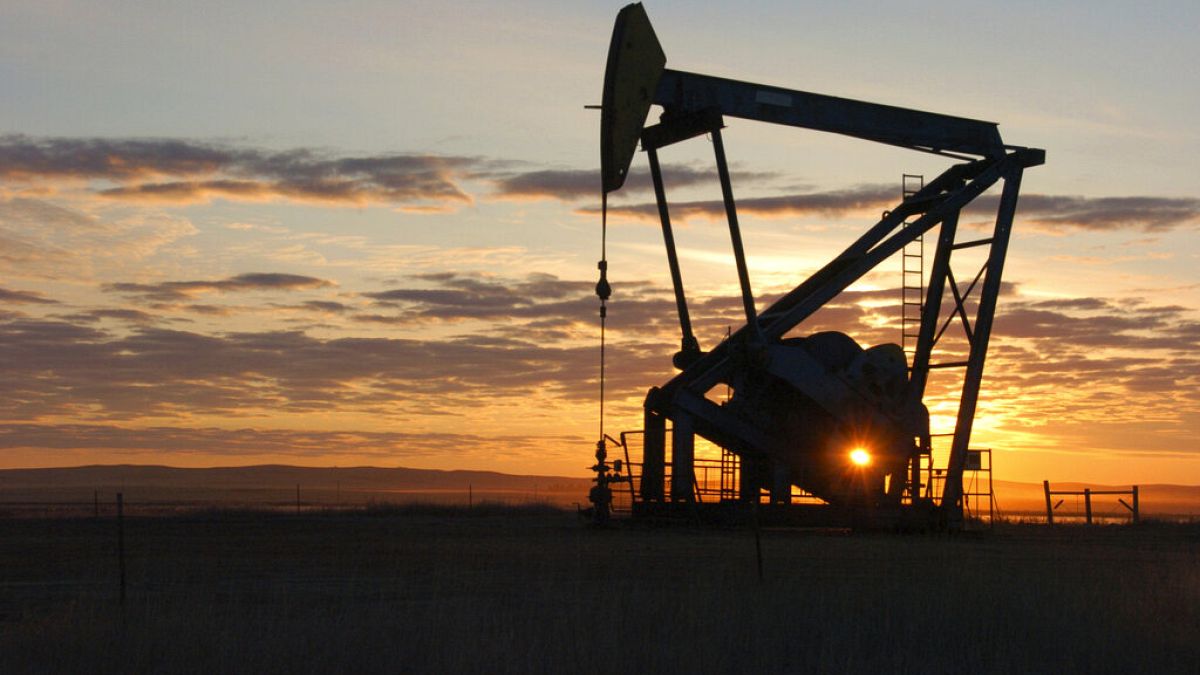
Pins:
<point x="333" y="237"/>
<point x="242" y="363"/>
<point x="183" y="171"/>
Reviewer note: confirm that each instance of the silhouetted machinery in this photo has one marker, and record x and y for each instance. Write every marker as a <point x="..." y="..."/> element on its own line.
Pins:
<point x="843" y="423"/>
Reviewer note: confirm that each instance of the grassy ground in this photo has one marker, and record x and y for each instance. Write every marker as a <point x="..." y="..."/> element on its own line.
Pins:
<point x="530" y="590"/>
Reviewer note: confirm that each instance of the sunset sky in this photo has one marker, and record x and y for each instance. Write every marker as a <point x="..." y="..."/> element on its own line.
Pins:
<point x="365" y="233"/>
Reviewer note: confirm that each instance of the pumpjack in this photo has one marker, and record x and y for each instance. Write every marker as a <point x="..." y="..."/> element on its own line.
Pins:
<point x="841" y="422"/>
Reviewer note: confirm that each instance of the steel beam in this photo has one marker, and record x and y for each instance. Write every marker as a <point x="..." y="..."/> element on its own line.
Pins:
<point x="933" y="306"/>
<point x="735" y="233"/>
<point x="952" y="491"/>
<point x="904" y="127"/>
<point x="688" y="344"/>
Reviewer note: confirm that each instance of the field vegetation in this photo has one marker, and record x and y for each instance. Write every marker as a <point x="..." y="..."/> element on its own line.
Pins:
<point x="530" y="589"/>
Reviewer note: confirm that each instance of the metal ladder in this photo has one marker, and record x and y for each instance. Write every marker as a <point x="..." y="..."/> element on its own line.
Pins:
<point x="912" y="290"/>
<point x="729" y="475"/>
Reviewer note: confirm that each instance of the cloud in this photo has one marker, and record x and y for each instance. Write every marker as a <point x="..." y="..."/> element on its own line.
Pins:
<point x="328" y="307"/>
<point x="129" y="315"/>
<point x="182" y="171"/>
<point x="1058" y="213"/>
<point x="834" y="203"/>
<point x="24" y="298"/>
<point x="250" y="441"/>
<point x="537" y="305"/>
<point x="528" y="343"/>
<point x="168" y="291"/>
<point x="1054" y="213"/>
<point x="56" y="367"/>
<point x="44" y="239"/>
<point x="579" y="184"/>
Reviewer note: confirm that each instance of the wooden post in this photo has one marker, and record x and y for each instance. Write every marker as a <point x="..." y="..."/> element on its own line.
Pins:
<point x="758" y="542"/>
<point x="1136" y="517"/>
<point x="1049" y="506"/>
<point x="121" y="543"/>
<point x="1087" y="504"/>
<point x="297" y="499"/>
<point x="470" y="495"/>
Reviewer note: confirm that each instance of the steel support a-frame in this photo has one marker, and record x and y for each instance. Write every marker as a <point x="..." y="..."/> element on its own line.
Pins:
<point x="978" y="338"/>
<point x="937" y="204"/>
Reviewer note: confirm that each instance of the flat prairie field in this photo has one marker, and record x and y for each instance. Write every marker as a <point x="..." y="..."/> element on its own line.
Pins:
<point x="531" y="590"/>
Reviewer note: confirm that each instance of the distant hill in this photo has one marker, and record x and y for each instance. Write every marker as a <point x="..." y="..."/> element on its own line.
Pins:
<point x="1155" y="499"/>
<point x="275" y="484"/>
<point x="364" y="477"/>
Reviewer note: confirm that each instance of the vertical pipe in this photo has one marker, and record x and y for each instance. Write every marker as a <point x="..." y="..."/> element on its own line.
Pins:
<point x="121" y="543"/>
<point x="1049" y="506"/>
<point x="683" y="453"/>
<point x="735" y="234"/>
<point x="749" y="485"/>
<point x="689" y="344"/>
<point x="781" y="484"/>
<point x="1136" y="515"/>
<point x="1087" y="505"/>
<point x="758" y="542"/>
<point x="654" y="455"/>
<point x="914" y="477"/>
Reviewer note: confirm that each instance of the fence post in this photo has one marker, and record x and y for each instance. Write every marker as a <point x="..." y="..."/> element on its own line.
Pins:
<point x="1049" y="506"/>
<point x="758" y="542"/>
<point x="1087" y="504"/>
<point x="1136" y="517"/>
<point x="121" y="543"/>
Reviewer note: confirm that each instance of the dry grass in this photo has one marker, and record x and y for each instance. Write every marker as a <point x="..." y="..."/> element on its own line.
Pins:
<point x="533" y="591"/>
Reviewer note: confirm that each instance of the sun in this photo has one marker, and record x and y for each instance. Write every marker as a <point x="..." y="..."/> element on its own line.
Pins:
<point x="860" y="457"/>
